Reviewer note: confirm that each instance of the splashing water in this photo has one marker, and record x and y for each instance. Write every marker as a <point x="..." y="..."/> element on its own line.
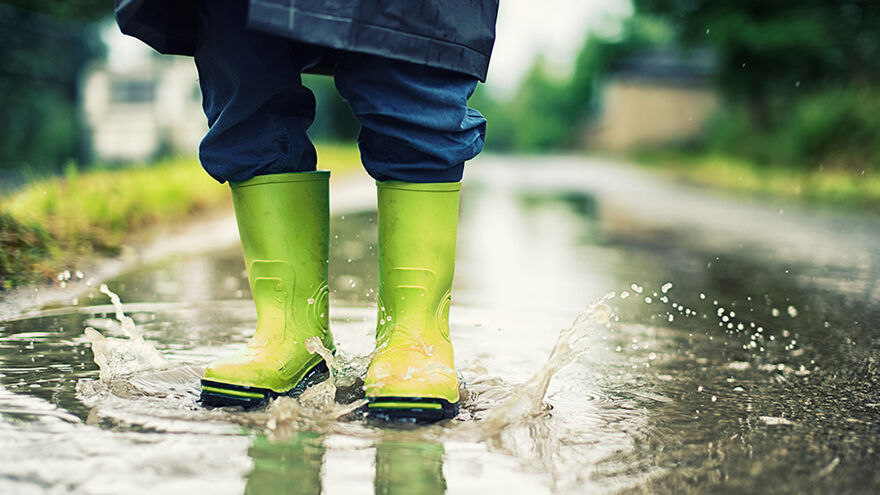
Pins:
<point x="319" y="398"/>
<point x="119" y="358"/>
<point x="528" y="399"/>
<point x="122" y="358"/>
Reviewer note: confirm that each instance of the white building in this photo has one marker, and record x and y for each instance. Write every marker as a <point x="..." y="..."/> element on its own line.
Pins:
<point x="151" y="107"/>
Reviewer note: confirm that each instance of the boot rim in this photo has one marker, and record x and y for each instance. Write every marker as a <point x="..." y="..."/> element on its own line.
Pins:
<point x="420" y="186"/>
<point x="310" y="176"/>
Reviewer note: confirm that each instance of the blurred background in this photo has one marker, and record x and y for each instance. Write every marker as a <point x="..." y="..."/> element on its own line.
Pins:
<point x="773" y="97"/>
<point x="782" y="83"/>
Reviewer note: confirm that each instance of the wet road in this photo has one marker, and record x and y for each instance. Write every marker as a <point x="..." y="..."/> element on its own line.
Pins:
<point x="741" y="356"/>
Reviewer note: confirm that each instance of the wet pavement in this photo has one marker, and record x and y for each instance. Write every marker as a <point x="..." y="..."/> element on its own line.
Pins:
<point x="741" y="355"/>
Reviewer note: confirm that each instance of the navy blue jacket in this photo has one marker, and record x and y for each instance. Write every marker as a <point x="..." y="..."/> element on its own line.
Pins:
<point x="449" y="34"/>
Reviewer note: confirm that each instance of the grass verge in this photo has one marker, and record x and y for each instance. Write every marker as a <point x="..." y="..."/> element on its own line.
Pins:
<point x="839" y="187"/>
<point x="50" y="224"/>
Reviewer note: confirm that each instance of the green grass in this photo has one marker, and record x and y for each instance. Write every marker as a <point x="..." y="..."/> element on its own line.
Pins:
<point x="836" y="186"/>
<point x="23" y="248"/>
<point x="50" y="224"/>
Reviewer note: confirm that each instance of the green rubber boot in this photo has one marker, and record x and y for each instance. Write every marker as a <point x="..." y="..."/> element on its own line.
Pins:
<point x="284" y="224"/>
<point x="412" y="373"/>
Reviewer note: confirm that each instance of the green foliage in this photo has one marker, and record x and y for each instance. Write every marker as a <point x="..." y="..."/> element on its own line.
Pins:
<point x="831" y="128"/>
<point x="94" y="211"/>
<point x="540" y="114"/>
<point x="548" y="113"/>
<point x="800" y="80"/>
<point x="44" y="53"/>
<point x="42" y="134"/>
<point x="837" y="127"/>
<point x="776" y="49"/>
<point x="21" y="248"/>
<point x="49" y="224"/>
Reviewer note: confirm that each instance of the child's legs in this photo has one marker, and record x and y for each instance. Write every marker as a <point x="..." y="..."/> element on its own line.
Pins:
<point x="417" y="126"/>
<point x="257" y="108"/>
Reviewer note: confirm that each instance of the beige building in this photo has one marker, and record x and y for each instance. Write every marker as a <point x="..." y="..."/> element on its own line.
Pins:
<point x="654" y="98"/>
<point x="152" y="108"/>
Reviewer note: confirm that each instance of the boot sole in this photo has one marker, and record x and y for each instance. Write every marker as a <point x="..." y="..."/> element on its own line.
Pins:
<point x="219" y="394"/>
<point x="410" y="409"/>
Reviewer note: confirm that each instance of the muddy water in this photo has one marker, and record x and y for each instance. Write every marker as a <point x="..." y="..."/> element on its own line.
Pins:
<point x="729" y="363"/>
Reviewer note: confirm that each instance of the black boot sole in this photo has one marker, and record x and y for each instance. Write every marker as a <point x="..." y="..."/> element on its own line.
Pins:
<point x="219" y="394"/>
<point x="410" y="409"/>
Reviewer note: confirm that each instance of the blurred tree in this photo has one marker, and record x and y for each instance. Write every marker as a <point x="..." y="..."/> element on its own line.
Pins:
<point x="46" y="45"/>
<point x="769" y="47"/>
<point x="801" y="79"/>
<point x="549" y="112"/>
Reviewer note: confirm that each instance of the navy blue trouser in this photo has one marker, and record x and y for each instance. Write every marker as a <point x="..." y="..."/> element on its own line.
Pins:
<point x="416" y="125"/>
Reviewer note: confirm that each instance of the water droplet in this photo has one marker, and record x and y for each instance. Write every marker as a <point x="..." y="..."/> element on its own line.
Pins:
<point x="702" y="296"/>
<point x="648" y="299"/>
<point x="792" y="312"/>
<point x="311" y="300"/>
<point x="774" y="312"/>
<point x="665" y="287"/>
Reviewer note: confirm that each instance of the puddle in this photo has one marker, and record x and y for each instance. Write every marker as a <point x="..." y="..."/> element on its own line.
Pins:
<point x="709" y="369"/>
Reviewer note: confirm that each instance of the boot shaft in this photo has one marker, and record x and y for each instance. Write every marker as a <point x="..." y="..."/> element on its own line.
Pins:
<point x="283" y="223"/>
<point x="417" y="233"/>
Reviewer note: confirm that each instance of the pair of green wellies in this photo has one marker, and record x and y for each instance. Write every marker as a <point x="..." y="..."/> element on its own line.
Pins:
<point x="284" y="224"/>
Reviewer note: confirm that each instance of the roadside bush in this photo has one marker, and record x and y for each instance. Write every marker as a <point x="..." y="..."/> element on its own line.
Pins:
<point x="834" y="128"/>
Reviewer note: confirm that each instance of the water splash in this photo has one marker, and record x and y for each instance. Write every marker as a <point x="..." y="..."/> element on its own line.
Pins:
<point x="118" y="358"/>
<point x="528" y="400"/>
<point x="126" y="358"/>
<point x="320" y="398"/>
